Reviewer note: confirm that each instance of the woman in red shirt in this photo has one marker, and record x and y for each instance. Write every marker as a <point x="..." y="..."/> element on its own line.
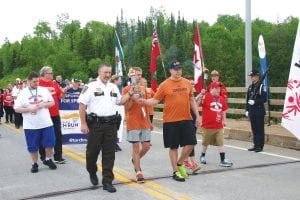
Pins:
<point x="8" y="103"/>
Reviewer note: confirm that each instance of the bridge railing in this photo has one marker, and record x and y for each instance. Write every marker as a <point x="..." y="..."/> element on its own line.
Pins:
<point x="237" y="101"/>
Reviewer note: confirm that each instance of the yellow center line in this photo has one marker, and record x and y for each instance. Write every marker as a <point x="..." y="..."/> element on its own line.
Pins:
<point x="150" y="187"/>
<point x="11" y="126"/>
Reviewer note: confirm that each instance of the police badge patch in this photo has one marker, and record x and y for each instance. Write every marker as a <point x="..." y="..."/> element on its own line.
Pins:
<point x="84" y="89"/>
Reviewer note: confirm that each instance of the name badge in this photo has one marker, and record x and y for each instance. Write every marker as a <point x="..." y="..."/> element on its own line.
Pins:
<point x="112" y="94"/>
<point x="98" y="94"/>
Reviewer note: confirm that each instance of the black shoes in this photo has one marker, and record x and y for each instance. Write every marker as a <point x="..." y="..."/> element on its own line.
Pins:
<point x="252" y="149"/>
<point x="255" y="149"/>
<point x="60" y="161"/>
<point x="118" y="148"/>
<point x="35" y="168"/>
<point x="50" y="164"/>
<point x="94" y="179"/>
<point x="109" y="187"/>
<point x="106" y="186"/>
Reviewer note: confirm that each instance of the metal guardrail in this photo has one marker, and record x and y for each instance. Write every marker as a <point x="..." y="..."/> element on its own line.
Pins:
<point x="242" y="101"/>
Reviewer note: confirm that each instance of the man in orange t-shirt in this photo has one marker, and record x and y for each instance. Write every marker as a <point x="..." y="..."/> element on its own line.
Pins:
<point x="178" y="129"/>
<point x="138" y="123"/>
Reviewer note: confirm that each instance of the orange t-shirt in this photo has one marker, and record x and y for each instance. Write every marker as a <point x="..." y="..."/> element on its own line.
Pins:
<point x="149" y="95"/>
<point x="176" y="95"/>
<point x="137" y="116"/>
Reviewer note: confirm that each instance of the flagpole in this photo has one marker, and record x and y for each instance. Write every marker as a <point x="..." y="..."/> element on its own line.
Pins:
<point x="161" y="55"/>
<point x="204" y="72"/>
<point x="125" y="68"/>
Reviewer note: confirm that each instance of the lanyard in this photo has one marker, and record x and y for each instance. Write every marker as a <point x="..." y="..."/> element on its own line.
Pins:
<point x="217" y="101"/>
<point x="34" y="96"/>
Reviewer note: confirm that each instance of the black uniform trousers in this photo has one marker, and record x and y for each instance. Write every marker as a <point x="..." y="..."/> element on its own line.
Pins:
<point x="258" y="130"/>
<point x="18" y="120"/>
<point x="58" y="140"/>
<point x="102" y="136"/>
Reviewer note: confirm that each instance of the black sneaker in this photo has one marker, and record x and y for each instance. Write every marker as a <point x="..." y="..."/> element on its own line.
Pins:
<point x="60" y="161"/>
<point x="50" y="164"/>
<point x="252" y="149"/>
<point x="35" y="168"/>
<point x="258" y="150"/>
<point x="109" y="187"/>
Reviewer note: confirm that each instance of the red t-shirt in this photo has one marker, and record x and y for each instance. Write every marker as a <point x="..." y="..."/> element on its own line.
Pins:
<point x="223" y="90"/>
<point x="55" y="91"/>
<point x="8" y="99"/>
<point x="212" y="111"/>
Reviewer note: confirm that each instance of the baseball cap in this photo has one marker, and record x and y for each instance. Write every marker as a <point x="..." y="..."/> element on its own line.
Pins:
<point x="214" y="73"/>
<point x="76" y="80"/>
<point x="254" y="72"/>
<point x="114" y="77"/>
<point x="214" y="85"/>
<point x="175" y="65"/>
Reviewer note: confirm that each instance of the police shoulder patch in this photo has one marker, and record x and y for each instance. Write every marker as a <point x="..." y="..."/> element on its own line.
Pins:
<point x="84" y="89"/>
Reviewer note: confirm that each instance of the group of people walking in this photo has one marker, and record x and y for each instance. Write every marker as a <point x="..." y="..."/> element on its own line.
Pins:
<point x="100" y="119"/>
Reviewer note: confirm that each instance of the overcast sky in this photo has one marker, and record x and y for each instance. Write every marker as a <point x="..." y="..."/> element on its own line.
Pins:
<point x="18" y="17"/>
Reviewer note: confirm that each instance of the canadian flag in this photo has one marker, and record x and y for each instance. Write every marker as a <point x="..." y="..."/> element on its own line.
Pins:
<point x="198" y="56"/>
<point x="155" y="52"/>
<point x="291" y="109"/>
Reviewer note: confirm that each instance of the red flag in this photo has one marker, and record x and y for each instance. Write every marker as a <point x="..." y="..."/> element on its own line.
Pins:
<point x="198" y="56"/>
<point x="154" y="53"/>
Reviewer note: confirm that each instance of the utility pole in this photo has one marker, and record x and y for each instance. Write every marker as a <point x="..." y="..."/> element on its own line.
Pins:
<point x="248" y="43"/>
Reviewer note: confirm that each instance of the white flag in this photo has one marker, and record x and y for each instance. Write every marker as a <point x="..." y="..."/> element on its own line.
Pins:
<point x="291" y="109"/>
<point x="119" y="56"/>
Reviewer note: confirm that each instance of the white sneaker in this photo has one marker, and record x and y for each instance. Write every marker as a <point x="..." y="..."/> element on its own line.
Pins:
<point x="202" y="160"/>
<point x="226" y="163"/>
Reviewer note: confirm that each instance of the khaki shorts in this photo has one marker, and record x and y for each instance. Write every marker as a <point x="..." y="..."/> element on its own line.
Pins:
<point x="213" y="137"/>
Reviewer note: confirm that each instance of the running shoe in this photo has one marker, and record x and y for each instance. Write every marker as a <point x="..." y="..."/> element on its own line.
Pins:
<point x="187" y="164"/>
<point x="182" y="171"/>
<point x="226" y="163"/>
<point x="202" y="160"/>
<point x="35" y="168"/>
<point x="195" y="168"/>
<point x="60" y="161"/>
<point x="177" y="177"/>
<point x="140" y="177"/>
<point x="50" y="164"/>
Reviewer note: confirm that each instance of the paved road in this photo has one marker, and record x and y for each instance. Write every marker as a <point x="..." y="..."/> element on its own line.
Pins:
<point x="272" y="174"/>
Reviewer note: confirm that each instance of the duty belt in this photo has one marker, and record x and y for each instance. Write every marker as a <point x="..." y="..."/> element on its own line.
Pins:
<point x="106" y="119"/>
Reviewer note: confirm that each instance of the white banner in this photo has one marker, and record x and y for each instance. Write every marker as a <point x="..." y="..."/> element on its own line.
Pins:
<point x="291" y="109"/>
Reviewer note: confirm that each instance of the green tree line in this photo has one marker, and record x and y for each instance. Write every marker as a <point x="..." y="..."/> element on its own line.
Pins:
<point x="75" y="51"/>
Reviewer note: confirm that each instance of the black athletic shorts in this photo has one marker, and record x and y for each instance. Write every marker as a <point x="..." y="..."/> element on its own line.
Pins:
<point x="179" y="133"/>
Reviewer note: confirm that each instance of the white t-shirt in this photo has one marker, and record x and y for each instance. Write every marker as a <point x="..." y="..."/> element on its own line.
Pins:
<point x="15" y="91"/>
<point x="27" y="99"/>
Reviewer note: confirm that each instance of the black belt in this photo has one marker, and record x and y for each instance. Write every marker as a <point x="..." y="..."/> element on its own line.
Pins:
<point x="106" y="119"/>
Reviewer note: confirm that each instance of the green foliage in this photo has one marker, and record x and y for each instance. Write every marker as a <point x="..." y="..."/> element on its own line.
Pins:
<point x="76" y="52"/>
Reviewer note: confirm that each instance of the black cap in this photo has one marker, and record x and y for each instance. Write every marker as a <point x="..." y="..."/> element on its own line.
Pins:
<point x="254" y="72"/>
<point x="76" y="80"/>
<point x="175" y="65"/>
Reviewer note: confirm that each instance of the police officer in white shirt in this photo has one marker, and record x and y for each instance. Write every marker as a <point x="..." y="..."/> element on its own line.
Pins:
<point x="99" y="120"/>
